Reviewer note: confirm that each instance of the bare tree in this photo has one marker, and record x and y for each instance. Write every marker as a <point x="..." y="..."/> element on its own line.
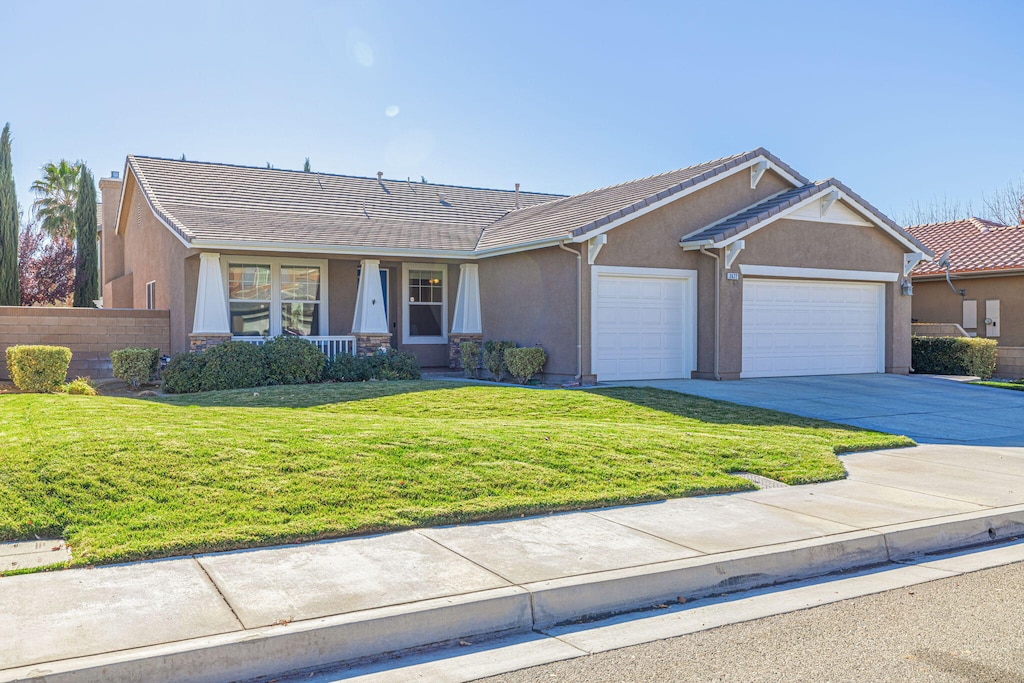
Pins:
<point x="1006" y="206"/>
<point x="937" y="211"/>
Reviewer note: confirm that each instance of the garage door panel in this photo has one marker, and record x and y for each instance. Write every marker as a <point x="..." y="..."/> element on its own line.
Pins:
<point x="802" y="327"/>
<point x="640" y="327"/>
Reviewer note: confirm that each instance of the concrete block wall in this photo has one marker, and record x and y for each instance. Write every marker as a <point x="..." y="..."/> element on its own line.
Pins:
<point x="1010" y="362"/>
<point x="90" y="333"/>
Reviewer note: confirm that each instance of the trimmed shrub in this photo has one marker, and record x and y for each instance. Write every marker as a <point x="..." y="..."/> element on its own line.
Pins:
<point x="135" y="366"/>
<point x="526" y="362"/>
<point x="494" y="357"/>
<point x="346" y="368"/>
<point x="184" y="373"/>
<point x="293" y="360"/>
<point x="38" y="369"/>
<point x="81" y="386"/>
<point x="233" y="365"/>
<point x="953" y="356"/>
<point x="394" y="364"/>
<point x="469" y="354"/>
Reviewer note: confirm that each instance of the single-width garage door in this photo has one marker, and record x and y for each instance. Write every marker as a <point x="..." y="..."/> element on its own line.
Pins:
<point x="642" y="325"/>
<point x="810" y="327"/>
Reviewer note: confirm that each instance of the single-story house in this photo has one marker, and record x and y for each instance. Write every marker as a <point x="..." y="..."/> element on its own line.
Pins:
<point x="738" y="267"/>
<point x="986" y="263"/>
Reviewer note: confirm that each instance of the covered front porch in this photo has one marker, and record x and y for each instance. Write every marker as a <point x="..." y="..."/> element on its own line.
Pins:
<point x="344" y="306"/>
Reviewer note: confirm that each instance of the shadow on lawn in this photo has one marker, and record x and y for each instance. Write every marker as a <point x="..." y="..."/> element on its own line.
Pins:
<point x="302" y="395"/>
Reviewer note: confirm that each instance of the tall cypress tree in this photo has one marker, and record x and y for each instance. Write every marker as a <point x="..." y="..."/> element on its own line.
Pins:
<point x="87" y="279"/>
<point x="9" y="294"/>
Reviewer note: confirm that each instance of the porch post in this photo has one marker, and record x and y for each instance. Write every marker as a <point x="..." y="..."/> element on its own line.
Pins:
<point x="467" y="322"/>
<point x="370" y="321"/>
<point x="211" y="326"/>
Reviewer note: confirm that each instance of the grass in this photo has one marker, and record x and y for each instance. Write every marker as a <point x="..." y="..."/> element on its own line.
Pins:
<point x="1014" y="386"/>
<point x="125" y="479"/>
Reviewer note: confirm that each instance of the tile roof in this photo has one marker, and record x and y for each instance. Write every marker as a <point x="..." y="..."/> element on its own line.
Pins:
<point x="975" y="245"/>
<point x="208" y="201"/>
<point x="772" y="206"/>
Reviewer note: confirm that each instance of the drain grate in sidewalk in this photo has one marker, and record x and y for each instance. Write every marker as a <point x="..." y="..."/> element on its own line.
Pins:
<point x="31" y="554"/>
<point x="759" y="481"/>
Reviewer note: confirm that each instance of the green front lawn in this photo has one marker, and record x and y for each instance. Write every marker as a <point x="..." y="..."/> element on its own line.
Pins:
<point x="1015" y="386"/>
<point x="124" y="479"/>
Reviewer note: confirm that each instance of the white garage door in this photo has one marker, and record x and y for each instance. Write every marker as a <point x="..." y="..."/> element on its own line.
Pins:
<point x="641" y="326"/>
<point x="808" y="327"/>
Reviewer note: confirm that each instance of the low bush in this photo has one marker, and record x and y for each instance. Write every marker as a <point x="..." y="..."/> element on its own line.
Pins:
<point x="494" y="357"/>
<point x="394" y="364"/>
<point x="953" y="356"/>
<point x="346" y="368"/>
<point x="526" y="362"/>
<point x="184" y="373"/>
<point x="469" y="354"/>
<point x="135" y="366"/>
<point x="38" y="369"/>
<point x="293" y="360"/>
<point x="80" y="386"/>
<point x="234" y="365"/>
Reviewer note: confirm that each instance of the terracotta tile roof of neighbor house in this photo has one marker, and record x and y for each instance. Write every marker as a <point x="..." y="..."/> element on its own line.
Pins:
<point x="209" y="202"/>
<point x="975" y="245"/>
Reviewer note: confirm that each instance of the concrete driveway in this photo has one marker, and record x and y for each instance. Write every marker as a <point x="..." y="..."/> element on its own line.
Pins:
<point x="925" y="408"/>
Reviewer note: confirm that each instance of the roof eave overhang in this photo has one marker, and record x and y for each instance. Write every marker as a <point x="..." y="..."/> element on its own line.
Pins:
<point x="968" y="274"/>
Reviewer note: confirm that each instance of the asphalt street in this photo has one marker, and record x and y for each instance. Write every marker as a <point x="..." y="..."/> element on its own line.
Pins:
<point x="965" y="628"/>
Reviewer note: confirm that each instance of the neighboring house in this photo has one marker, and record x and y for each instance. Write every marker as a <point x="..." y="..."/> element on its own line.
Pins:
<point x="987" y="262"/>
<point x="738" y="267"/>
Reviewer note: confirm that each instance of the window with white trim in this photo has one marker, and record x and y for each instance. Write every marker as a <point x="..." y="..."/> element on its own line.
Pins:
<point x="424" y="304"/>
<point x="151" y="295"/>
<point x="275" y="297"/>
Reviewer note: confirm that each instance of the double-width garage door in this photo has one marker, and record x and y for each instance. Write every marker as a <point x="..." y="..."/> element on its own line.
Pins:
<point x="810" y="327"/>
<point x="643" y="325"/>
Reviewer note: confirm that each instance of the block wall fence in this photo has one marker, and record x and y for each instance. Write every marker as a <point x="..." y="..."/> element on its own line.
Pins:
<point x="90" y="333"/>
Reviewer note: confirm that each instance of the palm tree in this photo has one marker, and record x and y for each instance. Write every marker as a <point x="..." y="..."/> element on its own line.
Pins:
<point x="56" y="193"/>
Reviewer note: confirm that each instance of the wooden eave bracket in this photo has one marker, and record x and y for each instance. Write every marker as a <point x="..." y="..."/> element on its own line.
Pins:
<point x="910" y="260"/>
<point x="732" y="251"/>
<point x="756" y="171"/>
<point x="594" y="245"/>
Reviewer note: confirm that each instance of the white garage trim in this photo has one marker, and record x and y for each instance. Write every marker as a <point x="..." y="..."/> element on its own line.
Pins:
<point x="688" y="278"/>
<point x="819" y="273"/>
<point x="781" y="337"/>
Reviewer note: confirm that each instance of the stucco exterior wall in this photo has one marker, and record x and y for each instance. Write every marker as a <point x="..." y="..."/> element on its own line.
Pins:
<point x="935" y="302"/>
<point x="530" y="298"/>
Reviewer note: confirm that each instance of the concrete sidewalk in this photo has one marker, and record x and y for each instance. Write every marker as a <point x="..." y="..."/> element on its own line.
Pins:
<point x="237" y="615"/>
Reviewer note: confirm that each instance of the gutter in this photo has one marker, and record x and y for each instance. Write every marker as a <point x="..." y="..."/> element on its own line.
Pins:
<point x="718" y="277"/>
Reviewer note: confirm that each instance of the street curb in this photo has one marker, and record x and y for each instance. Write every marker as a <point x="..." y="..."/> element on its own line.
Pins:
<point x="371" y="633"/>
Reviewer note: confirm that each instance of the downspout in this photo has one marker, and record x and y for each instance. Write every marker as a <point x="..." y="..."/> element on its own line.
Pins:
<point x="579" y="309"/>
<point x="718" y="277"/>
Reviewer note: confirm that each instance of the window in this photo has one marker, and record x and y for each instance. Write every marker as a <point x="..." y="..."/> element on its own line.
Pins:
<point x="151" y="295"/>
<point x="276" y="297"/>
<point x="425" y="304"/>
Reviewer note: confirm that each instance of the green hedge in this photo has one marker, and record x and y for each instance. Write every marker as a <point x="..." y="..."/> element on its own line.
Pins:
<point x="184" y="373"/>
<point x="494" y="357"/>
<point x="234" y="365"/>
<point x="38" y="369"/>
<point x="135" y="366"/>
<point x="953" y="356"/>
<point x="293" y="360"/>
<point x="525" y="362"/>
<point x="384" y="366"/>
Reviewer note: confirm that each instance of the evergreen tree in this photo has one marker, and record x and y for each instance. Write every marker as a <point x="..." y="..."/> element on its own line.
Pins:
<point x="87" y="280"/>
<point x="9" y="295"/>
<point x="305" y="166"/>
<point x="55" y="198"/>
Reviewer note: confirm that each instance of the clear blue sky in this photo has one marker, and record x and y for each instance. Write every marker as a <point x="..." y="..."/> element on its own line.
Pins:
<point x="903" y="101"/>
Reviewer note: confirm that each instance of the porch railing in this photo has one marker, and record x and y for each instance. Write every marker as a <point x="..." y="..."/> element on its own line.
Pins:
<point x="331" y="346"/>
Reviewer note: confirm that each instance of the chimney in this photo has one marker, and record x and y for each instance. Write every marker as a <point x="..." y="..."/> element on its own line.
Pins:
<point x="111" y="245"/>
<point x="380" y="176"/>
<point x="517" y="195"/>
